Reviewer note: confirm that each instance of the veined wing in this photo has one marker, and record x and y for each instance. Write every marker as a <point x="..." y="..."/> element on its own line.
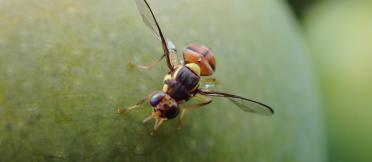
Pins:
<point x="208" y="83"/>
<point x="245" y="104"/>
<point x="149" y="19"/>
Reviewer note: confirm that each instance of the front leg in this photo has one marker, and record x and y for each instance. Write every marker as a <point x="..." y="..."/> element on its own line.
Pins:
<point x="205" y="101"/>
<point x="137" y="105"/>
<point x="158" y="122"/>
<point x="146" y="67"/>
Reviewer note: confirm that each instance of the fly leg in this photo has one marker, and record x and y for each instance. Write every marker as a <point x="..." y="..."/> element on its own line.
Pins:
<point x="179" y="124"/>
<point x="146" y="67"/>
<point x="137" y="105"/>
<point x="147" y="119"/>
<point x="158" y="122"/>
<point x="205" y="101"/>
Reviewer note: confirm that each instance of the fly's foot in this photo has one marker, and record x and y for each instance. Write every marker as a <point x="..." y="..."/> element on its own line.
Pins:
<point x="179" y="127"/>
<point x="122" y="111"/>
<point x="131" y="65"/>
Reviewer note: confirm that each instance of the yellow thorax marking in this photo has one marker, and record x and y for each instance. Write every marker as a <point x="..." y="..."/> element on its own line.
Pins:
<point x="194" y="67"/>
<point x="165" y="86"/>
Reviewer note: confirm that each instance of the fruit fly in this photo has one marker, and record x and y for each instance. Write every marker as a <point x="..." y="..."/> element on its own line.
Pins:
<point x="183" y="80"/>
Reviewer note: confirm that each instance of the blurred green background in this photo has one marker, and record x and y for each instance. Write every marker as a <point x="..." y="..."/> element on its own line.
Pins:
<point x="63" y="74"/>
<point x="340" y="35"/>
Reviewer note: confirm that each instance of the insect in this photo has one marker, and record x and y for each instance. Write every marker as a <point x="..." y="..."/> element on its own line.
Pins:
<point x="183" y="80"/>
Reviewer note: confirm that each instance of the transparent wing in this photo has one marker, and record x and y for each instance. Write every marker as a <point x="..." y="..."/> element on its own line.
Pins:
<point x="149" y="19"/>
<point x="245" y="104"/>
<point x="173" y="57"/>
<point x="208" y="83"/>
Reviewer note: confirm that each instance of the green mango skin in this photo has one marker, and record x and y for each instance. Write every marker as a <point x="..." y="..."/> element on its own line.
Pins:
<point x="64" y="72"/>
<point x="339" y="35"/>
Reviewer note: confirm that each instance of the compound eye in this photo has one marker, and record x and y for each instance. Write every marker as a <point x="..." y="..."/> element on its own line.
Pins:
<point x="156" y="98"/>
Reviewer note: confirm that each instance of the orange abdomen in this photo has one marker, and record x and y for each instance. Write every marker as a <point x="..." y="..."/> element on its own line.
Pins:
<point x="201" y="56"/>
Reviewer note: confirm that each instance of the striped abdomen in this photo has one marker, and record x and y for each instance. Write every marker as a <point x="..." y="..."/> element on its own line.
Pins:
<point x="202" y="56"/>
